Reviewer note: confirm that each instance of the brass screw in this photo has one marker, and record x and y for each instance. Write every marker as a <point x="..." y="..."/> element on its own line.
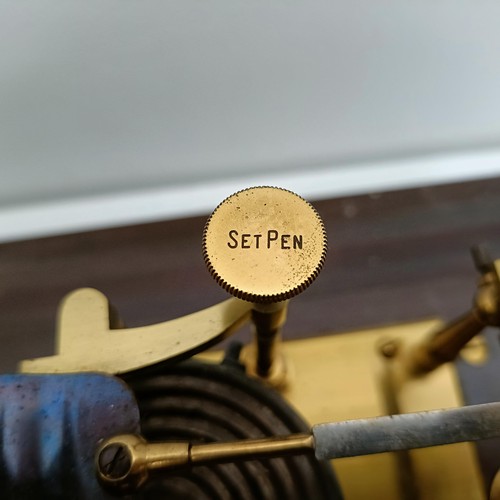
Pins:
<point x="114" y="461"/>
<point x="389" y="349"/>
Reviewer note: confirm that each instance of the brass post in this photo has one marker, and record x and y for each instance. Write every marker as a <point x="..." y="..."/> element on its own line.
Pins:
<point x="446" y="344"/>
<point x="265" y="245"/>
<point x="268" y="320"/>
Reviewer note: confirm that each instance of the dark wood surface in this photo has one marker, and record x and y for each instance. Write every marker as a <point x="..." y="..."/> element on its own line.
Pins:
<point x="393" y="257"/>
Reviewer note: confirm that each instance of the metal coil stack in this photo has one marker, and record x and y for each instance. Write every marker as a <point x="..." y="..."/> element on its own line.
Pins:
<point x="202" y="402"/>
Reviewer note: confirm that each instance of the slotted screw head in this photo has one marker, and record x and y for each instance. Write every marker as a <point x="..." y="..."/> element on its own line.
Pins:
<point x="114" y="461"/>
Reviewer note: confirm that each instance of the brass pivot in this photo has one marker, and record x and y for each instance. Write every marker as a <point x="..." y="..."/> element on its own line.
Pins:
<point x="124" y="463"/>
<point x="446" y="344"/>
<point x="265" y="245"/>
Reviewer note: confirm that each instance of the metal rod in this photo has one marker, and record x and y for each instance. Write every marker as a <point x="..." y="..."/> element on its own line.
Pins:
<point x="251" y="449"/>
<point x="406" y="431"/>
<point x="124" y="462"/>
<point x="446" y="344"/>
<point x="268" y="321"/>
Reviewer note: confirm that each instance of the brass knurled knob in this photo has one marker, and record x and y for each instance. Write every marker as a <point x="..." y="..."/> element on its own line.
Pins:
<point x="264" y="244"/>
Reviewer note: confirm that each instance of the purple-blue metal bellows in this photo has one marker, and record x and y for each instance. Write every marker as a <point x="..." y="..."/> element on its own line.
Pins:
<point x="50" y="427"/>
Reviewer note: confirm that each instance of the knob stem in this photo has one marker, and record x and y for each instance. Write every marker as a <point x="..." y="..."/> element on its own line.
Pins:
<point x="268" y="320"/>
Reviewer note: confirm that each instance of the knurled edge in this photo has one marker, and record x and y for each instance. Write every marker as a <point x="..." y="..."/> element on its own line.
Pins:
<point x="267" y="298"/>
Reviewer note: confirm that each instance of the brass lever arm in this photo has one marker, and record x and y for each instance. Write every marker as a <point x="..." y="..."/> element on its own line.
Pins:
<point x="124" y="462"/>
<point x="86" y="341"/>
<point x="446" y="344"/>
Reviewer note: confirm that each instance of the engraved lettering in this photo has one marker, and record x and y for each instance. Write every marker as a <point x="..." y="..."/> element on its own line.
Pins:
<point x="273" y="238"/>
<point x="232" y="235"/>
<point x="297" y="242"/>
<point x="284" y="241"/>
<point x="272" y="235"/>
<point x="244" y="240"/>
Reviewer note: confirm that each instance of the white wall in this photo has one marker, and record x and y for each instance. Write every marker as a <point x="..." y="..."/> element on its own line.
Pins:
<point x="111" y="96"/>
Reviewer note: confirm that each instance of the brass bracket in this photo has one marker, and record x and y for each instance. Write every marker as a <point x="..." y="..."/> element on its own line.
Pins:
<point x="88" y="339"/>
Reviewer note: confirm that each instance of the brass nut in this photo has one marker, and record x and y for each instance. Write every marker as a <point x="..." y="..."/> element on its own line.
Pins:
<point x="264" y="244"/>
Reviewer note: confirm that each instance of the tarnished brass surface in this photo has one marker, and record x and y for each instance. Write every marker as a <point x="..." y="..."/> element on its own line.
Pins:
<point x="124" y="456"/>
<point x="251" y="449"/>
<point x="446" y="344"/>
<point x="333" y="378"/>
<point x="487" y="299"/>
<point x="86" y="341"/>
<point x="345" y="376"/>
<point x="125" y="461"/>
<point x="264" y="244"/>
<point x="128" y="455"/>
<point x="263" y="358"/>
